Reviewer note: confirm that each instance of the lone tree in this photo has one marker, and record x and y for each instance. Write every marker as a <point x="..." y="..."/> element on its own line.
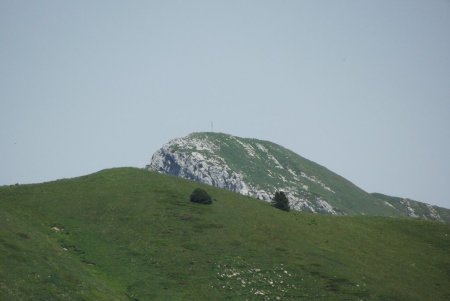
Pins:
<point x="200" y="196"/>
<point x="280" y="201"/>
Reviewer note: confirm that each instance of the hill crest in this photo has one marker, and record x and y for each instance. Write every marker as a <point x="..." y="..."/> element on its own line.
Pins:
<point x="129" y="234"/>
<point x="259" y="168"/>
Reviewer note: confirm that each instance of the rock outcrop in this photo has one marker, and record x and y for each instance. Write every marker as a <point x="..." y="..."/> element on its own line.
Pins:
<point x="198" y="158"/>
<point x="260" y="168"/>
<point x="195" y="159"/>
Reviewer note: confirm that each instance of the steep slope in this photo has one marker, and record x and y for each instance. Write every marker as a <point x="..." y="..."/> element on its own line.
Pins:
<point x="130" y="234"/>
<point x="416" y="209"/>
<point x="259" y="168"/>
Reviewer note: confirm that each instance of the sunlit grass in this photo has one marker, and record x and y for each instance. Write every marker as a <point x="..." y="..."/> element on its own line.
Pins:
<point x="129" y="234"/>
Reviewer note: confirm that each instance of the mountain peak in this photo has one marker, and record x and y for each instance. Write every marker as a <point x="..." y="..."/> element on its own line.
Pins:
<point x="250" y="167"/>
<point x="259" y="168"/>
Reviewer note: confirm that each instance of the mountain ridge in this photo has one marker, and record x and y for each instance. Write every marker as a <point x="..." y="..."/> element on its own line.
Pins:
<point x="258" y="168"/>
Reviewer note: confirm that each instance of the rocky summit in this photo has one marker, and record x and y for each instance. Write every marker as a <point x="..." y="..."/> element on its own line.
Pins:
<point x="259" y="168"/>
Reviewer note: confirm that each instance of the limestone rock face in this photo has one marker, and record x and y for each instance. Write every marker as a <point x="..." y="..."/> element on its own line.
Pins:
<point x="197" y="157"/>
<point x="259" y="168"/>
<point x="182" y="157"/>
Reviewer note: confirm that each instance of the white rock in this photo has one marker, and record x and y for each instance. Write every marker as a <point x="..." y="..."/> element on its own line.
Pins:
<point x="197" y="159"/>
<point x="409" y="210"/>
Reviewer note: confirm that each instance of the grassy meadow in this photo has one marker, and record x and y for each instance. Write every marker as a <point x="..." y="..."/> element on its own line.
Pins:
<point x="131" y="234"/>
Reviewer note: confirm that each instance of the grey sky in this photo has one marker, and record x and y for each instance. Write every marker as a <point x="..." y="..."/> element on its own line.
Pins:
<point x="361" y="87"/>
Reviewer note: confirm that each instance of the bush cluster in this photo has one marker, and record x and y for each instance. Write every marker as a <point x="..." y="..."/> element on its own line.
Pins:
<point x="200" y="196"/>
<point x="280" y="201"/>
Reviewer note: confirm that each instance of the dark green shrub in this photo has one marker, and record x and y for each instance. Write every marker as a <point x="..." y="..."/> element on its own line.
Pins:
<point x="280" y="201"/>
<point x="200" y="196"/>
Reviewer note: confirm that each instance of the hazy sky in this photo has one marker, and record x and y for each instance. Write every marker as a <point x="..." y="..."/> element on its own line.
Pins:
<point x="361" y="87"/>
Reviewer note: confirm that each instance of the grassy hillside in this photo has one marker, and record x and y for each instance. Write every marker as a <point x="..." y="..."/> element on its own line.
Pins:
<point x="130" y="234"/>
<point x="260" y="168"/>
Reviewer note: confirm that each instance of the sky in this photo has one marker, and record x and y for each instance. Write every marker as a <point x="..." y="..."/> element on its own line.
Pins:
<point x="361" y="87"/>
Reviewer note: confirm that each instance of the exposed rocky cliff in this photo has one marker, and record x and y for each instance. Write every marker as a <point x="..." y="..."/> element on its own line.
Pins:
<point x="198" y="158"/>
<point x="259" y="168"/>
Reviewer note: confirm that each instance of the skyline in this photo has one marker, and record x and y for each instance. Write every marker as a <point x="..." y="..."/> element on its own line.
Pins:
<point x="362" y="89"/>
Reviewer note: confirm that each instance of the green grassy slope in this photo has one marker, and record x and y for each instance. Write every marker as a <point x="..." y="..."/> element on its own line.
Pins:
<point x="347" y="197"/>
<point x="130" y="234"/>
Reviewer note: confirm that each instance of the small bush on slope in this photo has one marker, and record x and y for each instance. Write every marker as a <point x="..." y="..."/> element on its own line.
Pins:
<point x="200" y="196"/>
<point x="280" y="201"/>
